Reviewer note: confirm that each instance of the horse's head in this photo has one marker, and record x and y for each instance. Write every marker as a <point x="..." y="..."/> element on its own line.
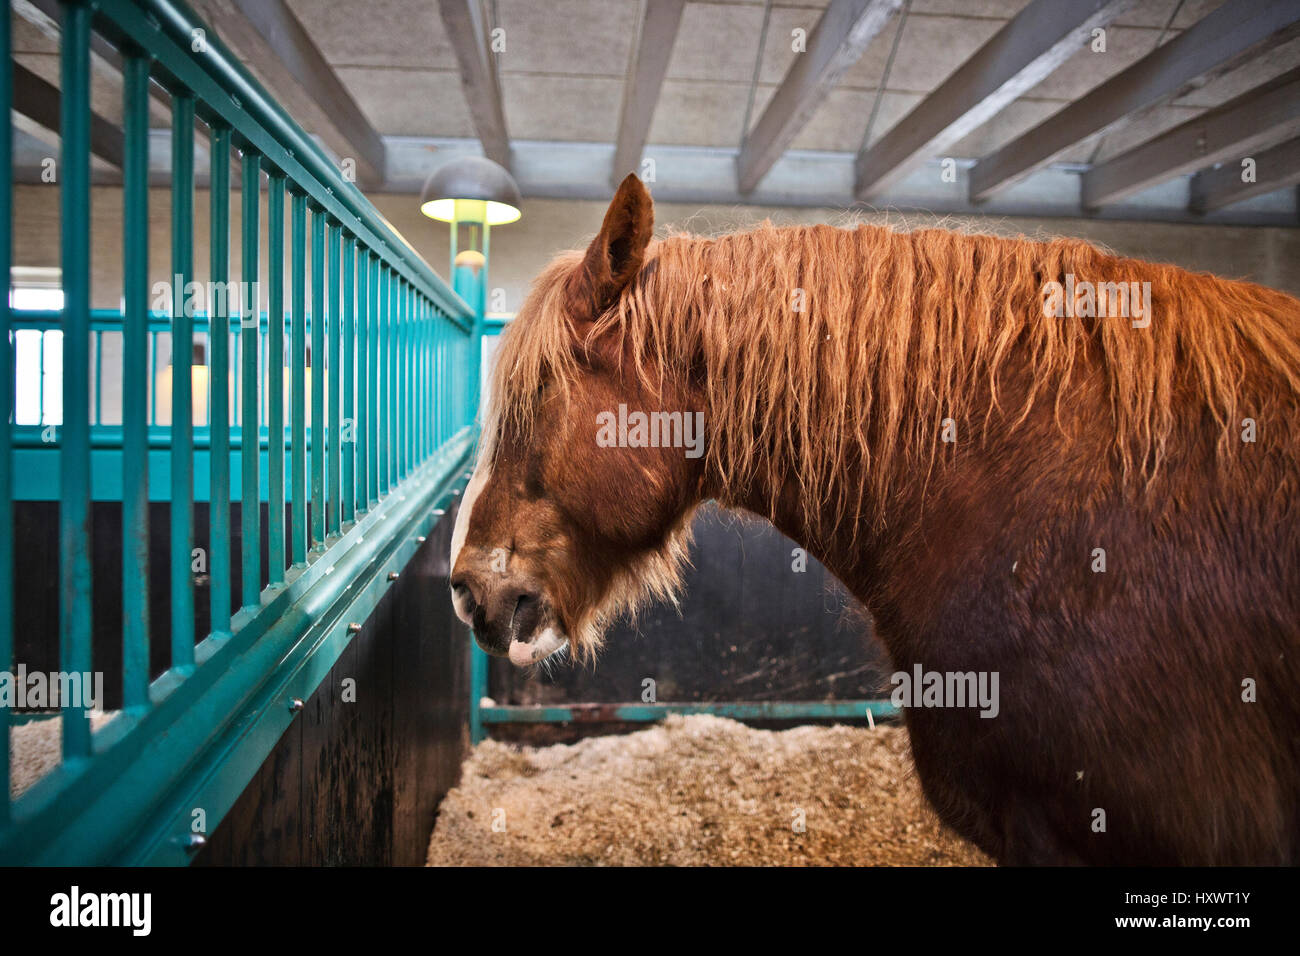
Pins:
<point x="573" y="515"/>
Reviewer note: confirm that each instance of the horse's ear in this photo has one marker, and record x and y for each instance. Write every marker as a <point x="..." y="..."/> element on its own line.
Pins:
<point x="615" y="255"/>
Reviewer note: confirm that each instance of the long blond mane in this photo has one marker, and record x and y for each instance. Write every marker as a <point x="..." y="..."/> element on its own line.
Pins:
<point x="826" y="346"/>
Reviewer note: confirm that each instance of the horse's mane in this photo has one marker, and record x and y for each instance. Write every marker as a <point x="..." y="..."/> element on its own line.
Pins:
<point x="899" y="331"/>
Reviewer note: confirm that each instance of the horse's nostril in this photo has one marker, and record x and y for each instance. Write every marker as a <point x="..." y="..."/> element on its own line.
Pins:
<point x="461" y="590"/>
<point x="524" y="620"/>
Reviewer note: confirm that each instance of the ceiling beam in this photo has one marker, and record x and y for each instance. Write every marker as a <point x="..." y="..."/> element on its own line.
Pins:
<point x="836" y="43"/>
<point x="1211" y="47"/>
<point x="699" y="175"/>
<point x="1275" y="169"/>
<point x="478" y="76"/>
<point x="1258" y="118"/>
<point x="276" y="46"/>
<point x="1018" y="57"/>
<point x="645" y="77"/>
<point x="41" y="102"/>
<point x="105" y="61"/>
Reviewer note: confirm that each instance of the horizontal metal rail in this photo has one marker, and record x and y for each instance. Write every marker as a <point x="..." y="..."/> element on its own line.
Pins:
<point x="737" y="710"/>
<point x="355" y="425"/>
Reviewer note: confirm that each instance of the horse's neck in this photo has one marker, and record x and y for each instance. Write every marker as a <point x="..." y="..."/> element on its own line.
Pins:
<point x="966" y="511"/>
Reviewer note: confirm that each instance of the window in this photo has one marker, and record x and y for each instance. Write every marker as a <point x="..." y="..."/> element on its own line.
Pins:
<point x="38" y="353"/>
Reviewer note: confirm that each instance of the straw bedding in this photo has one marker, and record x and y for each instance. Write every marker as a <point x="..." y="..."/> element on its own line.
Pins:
<point x="697" y="790"/>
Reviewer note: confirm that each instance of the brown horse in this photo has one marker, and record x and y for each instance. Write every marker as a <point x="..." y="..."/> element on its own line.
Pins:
<point x="1034" y="460"/>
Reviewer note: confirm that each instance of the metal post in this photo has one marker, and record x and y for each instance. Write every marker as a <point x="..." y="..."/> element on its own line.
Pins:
<point x="250" y="505"/>
<point x="135" y="383"/>
<point x="334" y="486"/>
<point x="6" y="409"/>
<point x="275" y="377"/>
<point x="318" y="378"/>
<point x="348" y="442"/>
<point x="298" y="377"/>
<point x="74" y="458"/>
<point x="219" y="571"/>
<point x="182" y="428"/>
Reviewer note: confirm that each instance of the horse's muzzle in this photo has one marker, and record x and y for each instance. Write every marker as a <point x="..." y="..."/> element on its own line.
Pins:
<point x="505" y="616"/>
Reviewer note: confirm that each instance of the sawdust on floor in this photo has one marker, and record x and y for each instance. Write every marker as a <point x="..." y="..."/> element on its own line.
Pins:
<point x="36" y="748"/>
<point x="697" y="790"/>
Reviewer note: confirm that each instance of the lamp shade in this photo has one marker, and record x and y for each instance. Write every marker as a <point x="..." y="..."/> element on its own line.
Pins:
<point x="468" y="181"/>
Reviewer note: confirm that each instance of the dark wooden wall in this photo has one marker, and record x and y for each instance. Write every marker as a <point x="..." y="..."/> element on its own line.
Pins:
<point x="36" y="583"/>
<point x="348" y="783"/>
<point x="360" y="783"/>
<point x="751" y="628"/>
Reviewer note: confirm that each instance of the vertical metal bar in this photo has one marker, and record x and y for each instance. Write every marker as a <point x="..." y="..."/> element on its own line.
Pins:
<point x="399" y="380"/>
<point x="349" y="445"/>
<point x="372" y="400"/>
<point x="235" y="364"/>
<point x="385" y="345"/>
<point x="413" y="376"/>
<point x="478" y="687"/>
<point x="6" y="408"/>
<point x="394" y="325"/>
<point x="404" y="393"/>
<point x="438" y="409"/>
<point x="452" y="336"/>
<point x="182" y="427"/>
<point x="250" y="505"/>
<point x="417" y="376"/>
<point x="275" y="376"/>
<point x="408" y="377"/>
<point x="40" y="409"/>
<point x="421" y="408"/>
<point x="298" y="376"/>
<point x="318" y="378"/>
<point x="413" y="444"/>
<point x="431" y="381"/>
<point x="98" y="392"/>
<point x="135" y="382"/>
<point x="444" y="385"/>
<point x="360" y="491"/>
<point x="426" y="354"/>
<point x="335" y="378"/>
<point x="445" y="331"/>
<point x="421" y="405"/>
<point x="74" y="458"/>
<point x="219" y="387"/>
<point x="469" y="386"/>
<point x="432" y="355"/>
<point x="153" y="378"/>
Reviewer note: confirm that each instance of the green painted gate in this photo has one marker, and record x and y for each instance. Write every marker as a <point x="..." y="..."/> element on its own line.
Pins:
<point x="356" y="454"/>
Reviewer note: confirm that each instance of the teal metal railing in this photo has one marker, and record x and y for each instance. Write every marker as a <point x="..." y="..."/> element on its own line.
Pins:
<point x="37" y="338"/>
<point x="355" y="456"/>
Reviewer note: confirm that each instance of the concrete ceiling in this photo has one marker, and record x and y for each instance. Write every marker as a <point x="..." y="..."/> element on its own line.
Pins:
<point x="564" y="69"/>
<point x="564" y="65"/>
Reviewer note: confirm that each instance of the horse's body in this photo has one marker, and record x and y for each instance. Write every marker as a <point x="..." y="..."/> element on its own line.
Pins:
<point x="956" y="458"/>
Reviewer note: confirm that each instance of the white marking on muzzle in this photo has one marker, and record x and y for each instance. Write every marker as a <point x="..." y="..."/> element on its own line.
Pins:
<point x="542" y="647"/>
